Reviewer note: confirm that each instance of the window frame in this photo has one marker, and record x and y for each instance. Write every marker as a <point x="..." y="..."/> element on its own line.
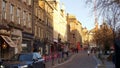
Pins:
<point x="11" y="12"/>
<point x="18" y="15"/>
<point x="4" y="3"/>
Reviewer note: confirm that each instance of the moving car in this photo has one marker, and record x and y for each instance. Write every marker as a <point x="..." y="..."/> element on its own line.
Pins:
<point x="25" y="60"/>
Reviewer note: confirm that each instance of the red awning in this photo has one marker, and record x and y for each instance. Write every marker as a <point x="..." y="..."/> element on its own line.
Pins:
<point x="9" y="41"/>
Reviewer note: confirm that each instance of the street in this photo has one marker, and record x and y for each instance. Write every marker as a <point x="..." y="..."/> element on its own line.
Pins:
<point x="80" y="60"/>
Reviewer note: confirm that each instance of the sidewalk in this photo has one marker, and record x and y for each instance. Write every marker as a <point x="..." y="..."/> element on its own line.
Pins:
<point x="49" y="63"/>
<point x="107" y="64"/>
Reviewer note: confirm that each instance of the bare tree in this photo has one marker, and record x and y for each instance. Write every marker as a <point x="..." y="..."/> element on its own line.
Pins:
<point x="109" y="9"/>
<point x="104" y="37"/>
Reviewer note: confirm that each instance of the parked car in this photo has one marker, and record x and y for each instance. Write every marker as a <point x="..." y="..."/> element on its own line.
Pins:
<point x="1" y="66"/>
<point x="26" y="60"/>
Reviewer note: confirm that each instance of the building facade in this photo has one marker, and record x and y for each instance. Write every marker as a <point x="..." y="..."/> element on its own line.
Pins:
<point x="26" y="25"/>
<point x="15" y="18"/>
<point x="39" y="26"/>
<point x="43" y="26"/>
<point x="75" y="31"/>
<point x="27" y="32"/>
<point x="85" y="37"/>
<point x="79" y="35"/>
<point x="59" y="21"/>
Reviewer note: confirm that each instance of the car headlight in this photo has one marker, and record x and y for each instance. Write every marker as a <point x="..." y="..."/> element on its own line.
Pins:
<point x="25" y="66"/>
<point x="1" y="66"/>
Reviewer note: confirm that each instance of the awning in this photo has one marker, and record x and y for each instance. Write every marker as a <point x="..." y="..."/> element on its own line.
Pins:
<point x="9" y="41"/>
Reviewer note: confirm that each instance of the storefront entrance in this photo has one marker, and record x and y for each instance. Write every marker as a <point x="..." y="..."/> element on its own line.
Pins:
<point x="7" y="47"/>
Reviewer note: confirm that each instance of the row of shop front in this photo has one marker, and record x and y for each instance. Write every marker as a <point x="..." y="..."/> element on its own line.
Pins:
<point x="16" y="41"/>
<point x="13" y="41"/>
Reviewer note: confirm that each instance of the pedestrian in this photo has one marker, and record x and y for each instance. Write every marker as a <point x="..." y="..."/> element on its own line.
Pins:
<point x="52" y="53"/>
<point x="88" y="52"/>
<point x="60" y="50"/>
<point x="66" y="50"/>
<point x="76" y="50"/>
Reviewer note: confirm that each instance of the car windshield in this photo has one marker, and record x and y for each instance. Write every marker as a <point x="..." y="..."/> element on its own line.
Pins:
<point x="26" y="57"/>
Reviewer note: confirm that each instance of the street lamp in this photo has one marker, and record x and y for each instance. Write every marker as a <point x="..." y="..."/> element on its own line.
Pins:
<point x="4" y="46"/>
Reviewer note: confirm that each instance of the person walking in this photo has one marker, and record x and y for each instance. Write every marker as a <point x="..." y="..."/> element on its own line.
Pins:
<point x="60" y="50"/>
<point x="52" y="53"/>
<point x="66" y="50"/>
<point x="88" y="52"/>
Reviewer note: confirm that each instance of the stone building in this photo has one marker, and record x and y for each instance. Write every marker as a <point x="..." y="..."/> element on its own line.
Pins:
<point x="85" y="37"/>
<point x="48" y="39"/>
<point x="68" y="29"/>
<point x="15" y="26"/>
<point x="27" y="32"/>
<point x="75" y="34"/>
<point x="59" y="21"/>
<point x="79" y="35"/>
<point x="43" y="26"/>
<point x="38" y="25"/>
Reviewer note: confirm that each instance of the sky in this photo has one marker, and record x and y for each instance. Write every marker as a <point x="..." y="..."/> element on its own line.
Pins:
<point x="82" y="12"/>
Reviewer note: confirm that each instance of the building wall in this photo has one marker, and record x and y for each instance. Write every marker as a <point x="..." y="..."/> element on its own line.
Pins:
<point x="15" y="20"/>
<point x="72" y="22"/>
<point x="79" y="33"/>
<point x="48" y="27"/>
<point x="59" y="22"/>
<point x="43" y="25"/>
<point x="0" y="10"/>
<point x="49" y="21"/>
<point x="75" y="31"/>
<point x="63" y="28"/>
<point x="84" y="37"/>
<point x="39" y="18"/>
<point x="68" y="29"/>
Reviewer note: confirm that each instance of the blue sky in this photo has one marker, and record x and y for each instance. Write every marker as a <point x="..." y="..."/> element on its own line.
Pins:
<point x="82" y="12"/>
